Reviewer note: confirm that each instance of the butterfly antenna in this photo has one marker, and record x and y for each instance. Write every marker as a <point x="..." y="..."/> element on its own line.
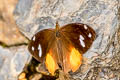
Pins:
<point x="57" y="24"/>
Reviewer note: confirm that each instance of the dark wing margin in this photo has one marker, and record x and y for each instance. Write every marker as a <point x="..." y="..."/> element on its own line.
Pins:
<point x="39" y="43"/>
<point x="80" y="35"/>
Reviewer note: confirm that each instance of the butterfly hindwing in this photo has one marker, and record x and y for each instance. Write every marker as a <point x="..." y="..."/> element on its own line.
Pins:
<point x="71" y="56"/>
<point x="52" y="58"/>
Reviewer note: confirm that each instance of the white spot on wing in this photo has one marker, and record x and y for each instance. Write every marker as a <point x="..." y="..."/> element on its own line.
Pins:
<point x="89" y="35"/>
<point x="33" y="48"/>
<point x="34" y="38"/>
<point x="82" y="43"/>
<point x="81" y="37"/>
<point x="85" y="27"/>
<point x="40" y="50"/>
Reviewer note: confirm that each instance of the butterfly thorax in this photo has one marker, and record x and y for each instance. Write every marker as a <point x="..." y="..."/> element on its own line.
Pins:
<point x="57" y="33"/>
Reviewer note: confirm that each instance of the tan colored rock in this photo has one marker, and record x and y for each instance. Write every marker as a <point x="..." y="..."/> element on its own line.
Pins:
<point x="9" y="33"/>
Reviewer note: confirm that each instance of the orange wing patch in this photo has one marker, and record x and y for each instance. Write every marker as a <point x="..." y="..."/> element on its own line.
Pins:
<point x="50" y="63"/>
<point x="75" y="59"/>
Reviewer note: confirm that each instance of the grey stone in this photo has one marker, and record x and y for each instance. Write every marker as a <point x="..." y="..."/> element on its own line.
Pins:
<point x="12" y="62"/>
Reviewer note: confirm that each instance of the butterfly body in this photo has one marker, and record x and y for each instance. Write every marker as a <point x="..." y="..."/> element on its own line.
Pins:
<point x="62" y="47"/>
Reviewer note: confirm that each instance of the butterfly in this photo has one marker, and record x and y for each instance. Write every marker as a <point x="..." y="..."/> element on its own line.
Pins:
<point x="62" y="47"/>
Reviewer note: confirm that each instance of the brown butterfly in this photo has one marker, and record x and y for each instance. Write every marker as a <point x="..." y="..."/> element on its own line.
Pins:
<point x="62" y="46"/>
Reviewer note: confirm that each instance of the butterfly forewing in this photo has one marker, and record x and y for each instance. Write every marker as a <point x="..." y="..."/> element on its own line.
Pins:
<point x="39" y="44"/>
<point x="81" y="35"/>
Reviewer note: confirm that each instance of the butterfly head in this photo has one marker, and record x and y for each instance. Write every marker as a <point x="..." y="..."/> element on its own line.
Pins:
<point x="57" y="29"/>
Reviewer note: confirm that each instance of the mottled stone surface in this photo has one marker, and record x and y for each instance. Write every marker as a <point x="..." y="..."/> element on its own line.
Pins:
<point x="12" y="62"/>
<point x="101" y="15"/>
<point x="12" y="59"/>
<point x="9" y="33"/>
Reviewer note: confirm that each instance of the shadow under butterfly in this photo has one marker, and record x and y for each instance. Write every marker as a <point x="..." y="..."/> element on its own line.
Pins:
<point x="62" y="47"/>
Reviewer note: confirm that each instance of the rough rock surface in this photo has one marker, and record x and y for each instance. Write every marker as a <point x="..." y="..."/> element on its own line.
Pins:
<point x="102" y="61"/>
<point x="12" y="59"/>
<point x="12" y="62"/>
<point x="9" y="33"/>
